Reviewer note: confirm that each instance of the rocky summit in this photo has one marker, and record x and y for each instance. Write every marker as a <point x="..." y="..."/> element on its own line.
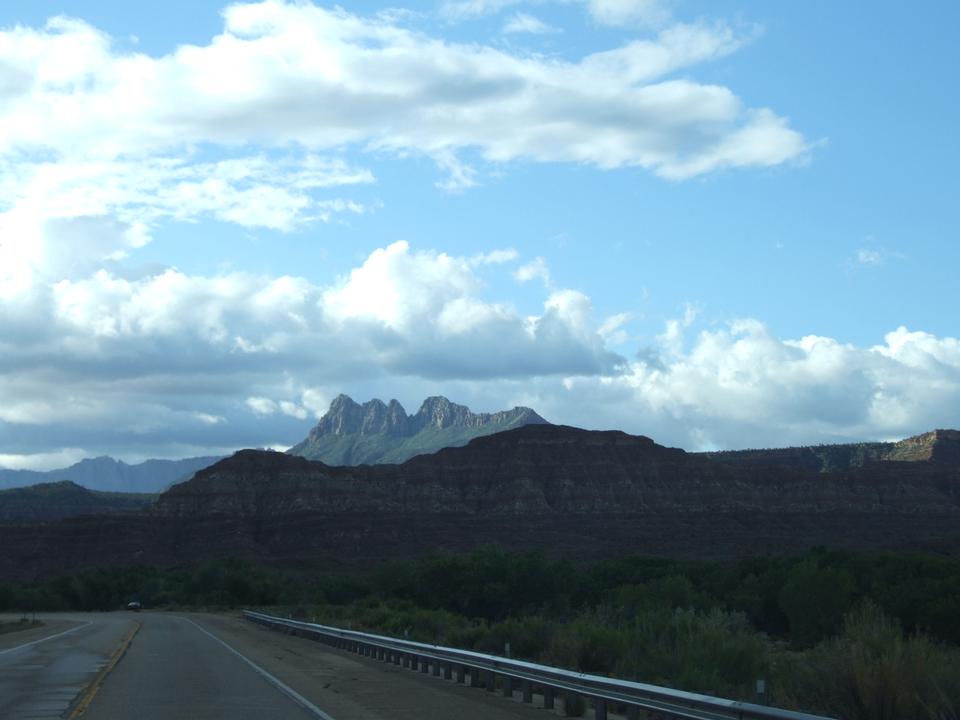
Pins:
<point x="376" y="432"/>
<point x="574" y="492"/>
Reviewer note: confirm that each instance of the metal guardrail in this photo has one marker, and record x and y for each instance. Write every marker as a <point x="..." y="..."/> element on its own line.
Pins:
<point x="525" y="677"/>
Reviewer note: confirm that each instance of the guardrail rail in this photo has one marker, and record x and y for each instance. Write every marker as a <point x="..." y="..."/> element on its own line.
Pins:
<point x="491" y="671"/>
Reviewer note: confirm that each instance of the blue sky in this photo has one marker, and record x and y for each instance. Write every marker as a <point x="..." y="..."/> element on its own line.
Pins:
<point x="720" y="224"/>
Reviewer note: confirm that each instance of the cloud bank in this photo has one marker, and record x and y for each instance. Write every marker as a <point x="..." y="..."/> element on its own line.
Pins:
<point x="272" y="124"/>
<point x="175" y="362"/>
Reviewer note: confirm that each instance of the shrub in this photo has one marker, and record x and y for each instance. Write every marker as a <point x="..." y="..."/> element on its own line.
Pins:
<point x="875" y="672"/>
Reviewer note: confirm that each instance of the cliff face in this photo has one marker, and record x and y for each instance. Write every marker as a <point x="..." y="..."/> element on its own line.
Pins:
<point x="581" y="493"/>
<point x="354" y="434"/>
<point x="937" y="446"/>
<point x="546" y="470"/>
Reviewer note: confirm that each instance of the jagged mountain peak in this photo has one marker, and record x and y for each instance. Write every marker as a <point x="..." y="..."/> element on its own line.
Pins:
<point x="439" y="412"/>
<point x="375" y="432"/>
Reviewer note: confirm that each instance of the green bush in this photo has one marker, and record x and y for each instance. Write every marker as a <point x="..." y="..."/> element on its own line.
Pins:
<point x="814" y="599"/>
<point x="875" y="672"/>
<point x="588" y="645"/>
<point x="713" y="652"/>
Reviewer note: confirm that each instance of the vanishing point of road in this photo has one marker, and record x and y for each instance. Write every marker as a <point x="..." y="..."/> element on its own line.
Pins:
<point x="159" y="666"/>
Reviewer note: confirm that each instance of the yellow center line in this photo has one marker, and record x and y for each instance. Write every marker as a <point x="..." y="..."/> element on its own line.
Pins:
<point x="86" y="697"/>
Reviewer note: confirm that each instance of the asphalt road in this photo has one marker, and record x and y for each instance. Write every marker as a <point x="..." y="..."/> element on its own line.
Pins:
<point x="43" y="670"/>
<point x="174" y="668"/>
<point x="210" y="667"/>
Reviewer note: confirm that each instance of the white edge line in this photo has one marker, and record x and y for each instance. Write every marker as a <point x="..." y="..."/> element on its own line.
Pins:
<point x="280" y="685"/>
<point x="48" y="637"/>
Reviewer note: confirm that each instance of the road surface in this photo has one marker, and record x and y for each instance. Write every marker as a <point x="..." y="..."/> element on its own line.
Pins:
<point x="42" y="670"/>
<point x="211" y="667"/>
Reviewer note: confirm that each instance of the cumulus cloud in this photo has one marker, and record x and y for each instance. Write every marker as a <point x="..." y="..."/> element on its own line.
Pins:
<point x="188" y="365"/>
<point x="743" y="387"/>
<point x="283" y="73"/>
<point x="170" y="354"/>
<point x="536" y="269"/>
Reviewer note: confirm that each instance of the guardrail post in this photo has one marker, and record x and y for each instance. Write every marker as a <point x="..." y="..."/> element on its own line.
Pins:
<point x="599" y="709"/>
<point x="577" y="692"/>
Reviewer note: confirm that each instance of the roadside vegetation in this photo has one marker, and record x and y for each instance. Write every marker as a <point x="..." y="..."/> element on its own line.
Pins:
<point x="852" y="635"/>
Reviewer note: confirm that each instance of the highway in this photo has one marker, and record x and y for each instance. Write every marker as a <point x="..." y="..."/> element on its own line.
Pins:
<point x="42" y="670"/>
<point x="156" y="666"/>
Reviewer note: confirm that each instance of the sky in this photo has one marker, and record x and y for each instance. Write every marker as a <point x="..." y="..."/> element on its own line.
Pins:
<point x="719" y="224"/>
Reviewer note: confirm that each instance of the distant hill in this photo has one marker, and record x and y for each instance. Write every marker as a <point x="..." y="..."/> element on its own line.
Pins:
<point x="577" y="493"/>
<point x="939" y="446"/>
<point x="54" y="501"/>
<point x="107" y="474"/>
<point x="376" y="433"/>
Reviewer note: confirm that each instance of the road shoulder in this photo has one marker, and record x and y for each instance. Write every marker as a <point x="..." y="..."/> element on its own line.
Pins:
<point x="349" y="686"/>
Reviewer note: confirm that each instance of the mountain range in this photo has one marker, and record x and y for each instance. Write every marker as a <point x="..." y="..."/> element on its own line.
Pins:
<point x="47" y="502"/>
<point x="377" y="432"/>
<point x="578" y="493"/>
<point x="939" y="446"/>
<point x="348" y="434"/>
<point x="109" y="475"/>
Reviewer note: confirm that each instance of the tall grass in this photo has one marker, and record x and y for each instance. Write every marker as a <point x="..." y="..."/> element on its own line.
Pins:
<point x="874" y="671"/>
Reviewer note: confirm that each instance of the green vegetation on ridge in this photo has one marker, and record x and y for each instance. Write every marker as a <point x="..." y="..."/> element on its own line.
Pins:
<point x="853" y="635"/>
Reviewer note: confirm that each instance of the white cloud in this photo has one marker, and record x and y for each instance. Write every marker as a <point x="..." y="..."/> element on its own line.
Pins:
<point x="744" y="387"/>
<point x="293" y="410"/>
<point x="315" y="400"/>
<point x="628" y="12"/>
<point x="174" y="357"/>
<point x="495" y="257"/>
<point x="523" y="23"/>
<point x="395" y="287"/>
<point x="295" y="74"/>
<point x="460" y="10"/>
<point x="536" y="269"/>
<point x="165" y="359"/>
<point x="262" y="405"/>
<point x="612" y="330"/>
<point x="63" y="457"/>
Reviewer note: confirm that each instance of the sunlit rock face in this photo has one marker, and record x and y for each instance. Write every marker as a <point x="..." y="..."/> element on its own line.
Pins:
<point x="573" y="492"/>
<point x="375" y="432"/>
